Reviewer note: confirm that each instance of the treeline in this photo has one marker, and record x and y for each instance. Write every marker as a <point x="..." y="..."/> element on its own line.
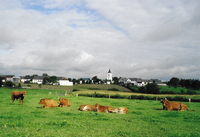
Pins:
<point x="186" y="83"/>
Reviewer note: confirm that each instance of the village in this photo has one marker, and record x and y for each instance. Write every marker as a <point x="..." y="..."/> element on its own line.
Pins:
<point x="63" y="81"/>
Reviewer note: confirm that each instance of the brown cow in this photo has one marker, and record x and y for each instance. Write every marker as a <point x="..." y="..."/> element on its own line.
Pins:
<point x="18" y="95"/>
<point x="64" y="102"/>
<point x="48" y="103"/>
<point x="87" y="107"/>
<point x="121" y="110"/>
<point x="173" y="105"/>
<point x="106" y="109"/>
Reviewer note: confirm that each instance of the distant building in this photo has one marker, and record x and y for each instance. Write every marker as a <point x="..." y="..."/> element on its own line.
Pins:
<point x="64" y="81"/>
<point x="11" y="78"/>
<point x="109" y="77"/>
<point x="139" y="82"/>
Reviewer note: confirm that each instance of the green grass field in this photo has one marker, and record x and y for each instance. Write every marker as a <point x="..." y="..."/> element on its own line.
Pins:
<point x="145" y="117"/>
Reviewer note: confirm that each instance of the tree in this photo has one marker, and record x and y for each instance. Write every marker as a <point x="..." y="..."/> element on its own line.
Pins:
<point x="45" y="74"/>
<point x="152" y="88"/>
<point x="52" y="79"/>
<point x="1" y="83"/>
<point x="40" y="85"/>
<point x="141" y="90"/>
<point x="9" y="84"/>
<point x="69" y="79"/>
<point x="35" y="75"/>
<point x="174" y="82"/>
<point x="45" y="80"/>
<point x="96" y="79"/>
<point x="116" y="80"/>
<point x="74" y="81"/>
<point x="19" y="85"/>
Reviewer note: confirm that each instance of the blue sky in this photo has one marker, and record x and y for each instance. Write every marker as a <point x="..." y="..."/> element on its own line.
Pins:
<point x="86" y="38"/>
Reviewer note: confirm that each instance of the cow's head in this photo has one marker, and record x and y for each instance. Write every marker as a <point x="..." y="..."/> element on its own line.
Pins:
<point x="96" y="105"/>
<point x="42" y="100"/>
<point x="164" y="101"/>
<point x="24" y="93"/>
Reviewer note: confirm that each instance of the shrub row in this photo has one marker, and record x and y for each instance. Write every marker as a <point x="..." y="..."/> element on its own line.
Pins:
<point x="140" y="97"/>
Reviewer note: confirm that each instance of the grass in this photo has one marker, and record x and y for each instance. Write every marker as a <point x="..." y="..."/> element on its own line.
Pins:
<point x="80" y="87"/>
<point x="145" y="117"/>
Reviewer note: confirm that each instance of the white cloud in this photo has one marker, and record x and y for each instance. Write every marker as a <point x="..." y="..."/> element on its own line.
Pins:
<point x="147" y="39"/>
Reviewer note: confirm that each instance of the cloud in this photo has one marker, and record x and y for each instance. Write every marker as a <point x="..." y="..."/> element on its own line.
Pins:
<point x="85" y="38"/>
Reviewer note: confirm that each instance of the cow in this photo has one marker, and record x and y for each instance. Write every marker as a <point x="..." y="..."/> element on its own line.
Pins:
<point x="169" y="105"/>
<point x="106" y="109"/>
<point x="121" y="110"/>
<point x="64" y="102"/>
<point x="48" y="103"/>
<point x="87" y="107"/>
<point x="18" y="95"/>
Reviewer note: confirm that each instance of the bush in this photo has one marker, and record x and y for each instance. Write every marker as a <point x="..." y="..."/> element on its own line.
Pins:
<point x="191" y="92"/>
<point x="27" y="82"/>
<point x="9" y="84"/>
<point x="75" y="90"/>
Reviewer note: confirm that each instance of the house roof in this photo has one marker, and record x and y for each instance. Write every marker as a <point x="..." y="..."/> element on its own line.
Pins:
<point x="39" y="77"/>
<point x="26" y="77"/>
<point x="61" y="78"/>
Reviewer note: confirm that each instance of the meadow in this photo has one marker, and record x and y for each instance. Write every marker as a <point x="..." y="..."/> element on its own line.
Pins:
<point x="145" y="117"/>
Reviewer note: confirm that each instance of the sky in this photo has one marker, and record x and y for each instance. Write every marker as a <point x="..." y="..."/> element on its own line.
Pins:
<point x="85" y="38"/>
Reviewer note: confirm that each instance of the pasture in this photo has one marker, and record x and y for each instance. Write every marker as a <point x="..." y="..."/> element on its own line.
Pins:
<point x="145" y="117"/>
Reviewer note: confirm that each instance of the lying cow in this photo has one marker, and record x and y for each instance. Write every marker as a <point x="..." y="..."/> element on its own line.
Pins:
<point x="169" y="105"/>
<point x="18" y="95"/>
<point x="64" y="102"/>
<point x="106" y="109"/>
<point x="87" y="107"/>
<point x="48" y="103"/>
<point x="121" y="110"/>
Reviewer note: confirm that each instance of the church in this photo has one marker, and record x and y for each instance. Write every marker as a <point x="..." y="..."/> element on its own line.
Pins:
<point x="109" y="77"/>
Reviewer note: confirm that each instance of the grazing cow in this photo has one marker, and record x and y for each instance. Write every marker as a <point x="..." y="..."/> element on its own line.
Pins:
<point x="18" y="95"/>
<point x="48" y="103"/>
<point x="106" y="109"/>
<point x="64" y="102"/>
<point x="121" y="110"/>
<point x="87" y="107"/>
<point x="173" y="105"/>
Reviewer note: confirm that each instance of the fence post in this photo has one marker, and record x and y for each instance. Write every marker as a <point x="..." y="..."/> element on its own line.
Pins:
<point x="109" y="96"/>
<point x="77" y="95"/>
<point x="190" y="99"/>
<point x="130" y="96"/>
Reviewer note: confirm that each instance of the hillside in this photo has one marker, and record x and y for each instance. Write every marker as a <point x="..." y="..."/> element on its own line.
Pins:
<point x="79" y="87"/>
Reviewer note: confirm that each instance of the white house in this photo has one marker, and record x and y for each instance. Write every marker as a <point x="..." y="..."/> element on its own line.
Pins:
<point x="64" y="81"/>
<point x="38" y="79"/>
<point x="5" y="78"/>
<point x="25" y="78"/>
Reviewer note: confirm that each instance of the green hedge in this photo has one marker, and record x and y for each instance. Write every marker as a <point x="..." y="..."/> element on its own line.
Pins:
<point x="140" y="97"/>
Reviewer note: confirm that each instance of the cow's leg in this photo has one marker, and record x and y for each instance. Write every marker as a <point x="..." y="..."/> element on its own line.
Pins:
<point x="13" y="99"/>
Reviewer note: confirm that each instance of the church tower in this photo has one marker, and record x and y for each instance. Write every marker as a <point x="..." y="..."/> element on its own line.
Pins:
<point x="109" y="77"/>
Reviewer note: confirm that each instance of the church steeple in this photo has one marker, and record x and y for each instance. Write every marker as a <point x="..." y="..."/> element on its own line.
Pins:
<point x="109" y="77"/>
